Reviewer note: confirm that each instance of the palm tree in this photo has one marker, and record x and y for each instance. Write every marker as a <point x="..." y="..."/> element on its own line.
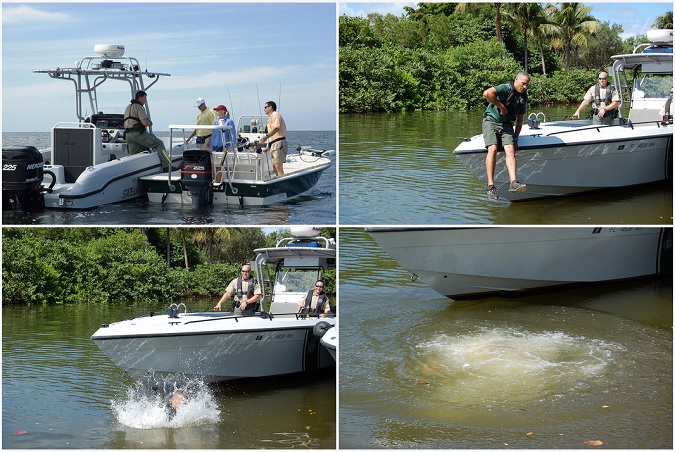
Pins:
<point x="575" y="21"/>
<point x="664" y="22"/>
<point x="183" y="234"/>
<point x="464" y="7"/>
<point x="531" y="19"/>
<point x="545" y="33"/>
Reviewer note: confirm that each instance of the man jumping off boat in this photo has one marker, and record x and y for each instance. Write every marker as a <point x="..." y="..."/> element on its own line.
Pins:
<point x="507" y="102"/>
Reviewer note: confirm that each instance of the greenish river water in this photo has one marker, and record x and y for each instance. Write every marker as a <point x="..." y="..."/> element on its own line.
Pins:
<point x="59" y="391"/>
<point x="398" y="169"/>
<point x="545" y="371"/>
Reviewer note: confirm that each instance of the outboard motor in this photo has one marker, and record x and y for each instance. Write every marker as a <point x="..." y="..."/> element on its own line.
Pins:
<point x="197" y="176"/>
<point x="22" y="174"/>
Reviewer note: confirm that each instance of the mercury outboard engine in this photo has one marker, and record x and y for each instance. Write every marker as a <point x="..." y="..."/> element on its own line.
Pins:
<point x="197" y="176"/>
<point x="22" y="173"/>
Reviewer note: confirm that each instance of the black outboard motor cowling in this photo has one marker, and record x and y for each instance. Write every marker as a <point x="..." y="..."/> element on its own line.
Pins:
<point x="197" y="176"/>
<point x="22" y="174"/>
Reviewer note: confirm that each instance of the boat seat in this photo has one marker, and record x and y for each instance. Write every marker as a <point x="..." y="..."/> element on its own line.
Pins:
<point x="283" y="308"/>
<point x="646" y="110"/>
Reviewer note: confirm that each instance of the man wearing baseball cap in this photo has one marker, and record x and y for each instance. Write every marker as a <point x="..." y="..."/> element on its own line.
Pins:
<point x="206" y="117"/>
<point x="227" y="138"/>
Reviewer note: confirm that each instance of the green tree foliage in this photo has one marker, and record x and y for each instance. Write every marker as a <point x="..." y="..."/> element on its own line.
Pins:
<point x="64" y="265"/>
<point x="442" y="56"/>
<point x="605" y="43"/>
<point x="664" y="21"/>
<point x="576" y="23"/>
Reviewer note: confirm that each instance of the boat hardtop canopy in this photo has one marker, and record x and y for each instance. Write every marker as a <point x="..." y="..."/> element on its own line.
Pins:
<point x="651" y="76"/>
<point x="287" y="271"/>
<point x="300" y="253"/>
<point x="92" y="71"/>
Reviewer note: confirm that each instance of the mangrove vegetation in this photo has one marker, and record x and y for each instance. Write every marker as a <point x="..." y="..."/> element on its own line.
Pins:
<point x="442" y="56"/>
<point x="103" y="265"/>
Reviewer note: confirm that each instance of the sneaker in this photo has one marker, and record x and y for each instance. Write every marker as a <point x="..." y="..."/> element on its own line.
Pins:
<point x="517" y="187"/>
<point x="492" y="192"/>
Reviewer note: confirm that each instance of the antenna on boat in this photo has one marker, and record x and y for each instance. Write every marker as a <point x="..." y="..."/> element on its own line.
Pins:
<point x="230" y="97"/>
<point x="279" y="106"/>
<point x="258" y="93"/>
<point x="643" y="27"/>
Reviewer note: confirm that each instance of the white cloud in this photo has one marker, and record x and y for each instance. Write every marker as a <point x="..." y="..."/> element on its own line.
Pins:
<point x="22" y="14"/>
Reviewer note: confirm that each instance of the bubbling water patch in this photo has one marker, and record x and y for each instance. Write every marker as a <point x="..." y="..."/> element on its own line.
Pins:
<point x="503" y="365"/>
<point x="147" y="407"/>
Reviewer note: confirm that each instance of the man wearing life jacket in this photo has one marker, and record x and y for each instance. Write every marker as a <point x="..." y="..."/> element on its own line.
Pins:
<point x="604" y="101"/>
<point x="315" y="303"/>
<point x="138" y="139"/>
<point x="507" y="103"/>
<point x="666" y="112"/>
<point x="246" y="291"/>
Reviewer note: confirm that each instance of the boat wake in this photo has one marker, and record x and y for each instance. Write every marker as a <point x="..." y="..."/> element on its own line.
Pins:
<point x="142" y="407"/>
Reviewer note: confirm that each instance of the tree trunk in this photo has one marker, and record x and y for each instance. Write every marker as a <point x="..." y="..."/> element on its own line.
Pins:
<point x="543" y="62"/>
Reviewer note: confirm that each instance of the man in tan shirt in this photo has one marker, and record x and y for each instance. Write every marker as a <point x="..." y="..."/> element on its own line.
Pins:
<point x="275" y="137"/>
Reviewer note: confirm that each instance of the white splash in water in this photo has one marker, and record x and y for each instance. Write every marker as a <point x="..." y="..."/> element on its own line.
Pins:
<point x="506" y="364"/>
<point x="144" y="408"/>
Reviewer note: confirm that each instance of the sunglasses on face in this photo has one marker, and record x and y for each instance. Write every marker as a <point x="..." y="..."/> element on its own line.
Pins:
<point x="318" y="287"/>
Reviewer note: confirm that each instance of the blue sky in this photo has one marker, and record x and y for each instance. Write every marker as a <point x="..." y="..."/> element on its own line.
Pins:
<point x="235" y="54"/>
<point x="632" y="16"/>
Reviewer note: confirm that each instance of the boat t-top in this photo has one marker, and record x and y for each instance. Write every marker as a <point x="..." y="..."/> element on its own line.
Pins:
<point x="567" y="157"/>
<point x="88" y="164"/>
<point x="219" y="346"/>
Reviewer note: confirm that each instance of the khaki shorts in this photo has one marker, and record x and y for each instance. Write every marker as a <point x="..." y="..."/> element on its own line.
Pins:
<point x="499" y="133"/>
<point x="278" y="151"/>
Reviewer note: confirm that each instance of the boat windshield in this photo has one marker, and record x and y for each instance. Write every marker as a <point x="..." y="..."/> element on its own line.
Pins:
<point x="252" y="124"/>
<point x="293" y="280"/>
<point x="647" y="86"/>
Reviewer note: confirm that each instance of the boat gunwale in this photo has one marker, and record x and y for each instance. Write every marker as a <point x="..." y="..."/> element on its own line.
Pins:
<point x="521" y="148"/>
<point x="199" y="333"/>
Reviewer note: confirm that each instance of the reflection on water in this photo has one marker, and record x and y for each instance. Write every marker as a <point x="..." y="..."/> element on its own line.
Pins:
<point x="547" y="370"/>
<point x="406" y="160"/>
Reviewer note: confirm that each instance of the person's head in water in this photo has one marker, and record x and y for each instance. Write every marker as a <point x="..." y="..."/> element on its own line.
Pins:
<point x="178" y="398"/>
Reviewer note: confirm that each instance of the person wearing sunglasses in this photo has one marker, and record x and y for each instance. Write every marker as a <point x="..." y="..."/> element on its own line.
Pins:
<point x="315" y="303"/>
<point x="604" y="101"/>
<point x="246" y="292"/>
<point x="275" y="137"/>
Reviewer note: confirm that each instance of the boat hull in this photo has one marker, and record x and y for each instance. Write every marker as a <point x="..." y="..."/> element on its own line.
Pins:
<point x="105" y="183"/>
<point x="294" y="183"/>
<point x="470" y="262"/>
<point x="214" y="347"/>
<point x="330" y="340"/>
<point x="577" y="159"/>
